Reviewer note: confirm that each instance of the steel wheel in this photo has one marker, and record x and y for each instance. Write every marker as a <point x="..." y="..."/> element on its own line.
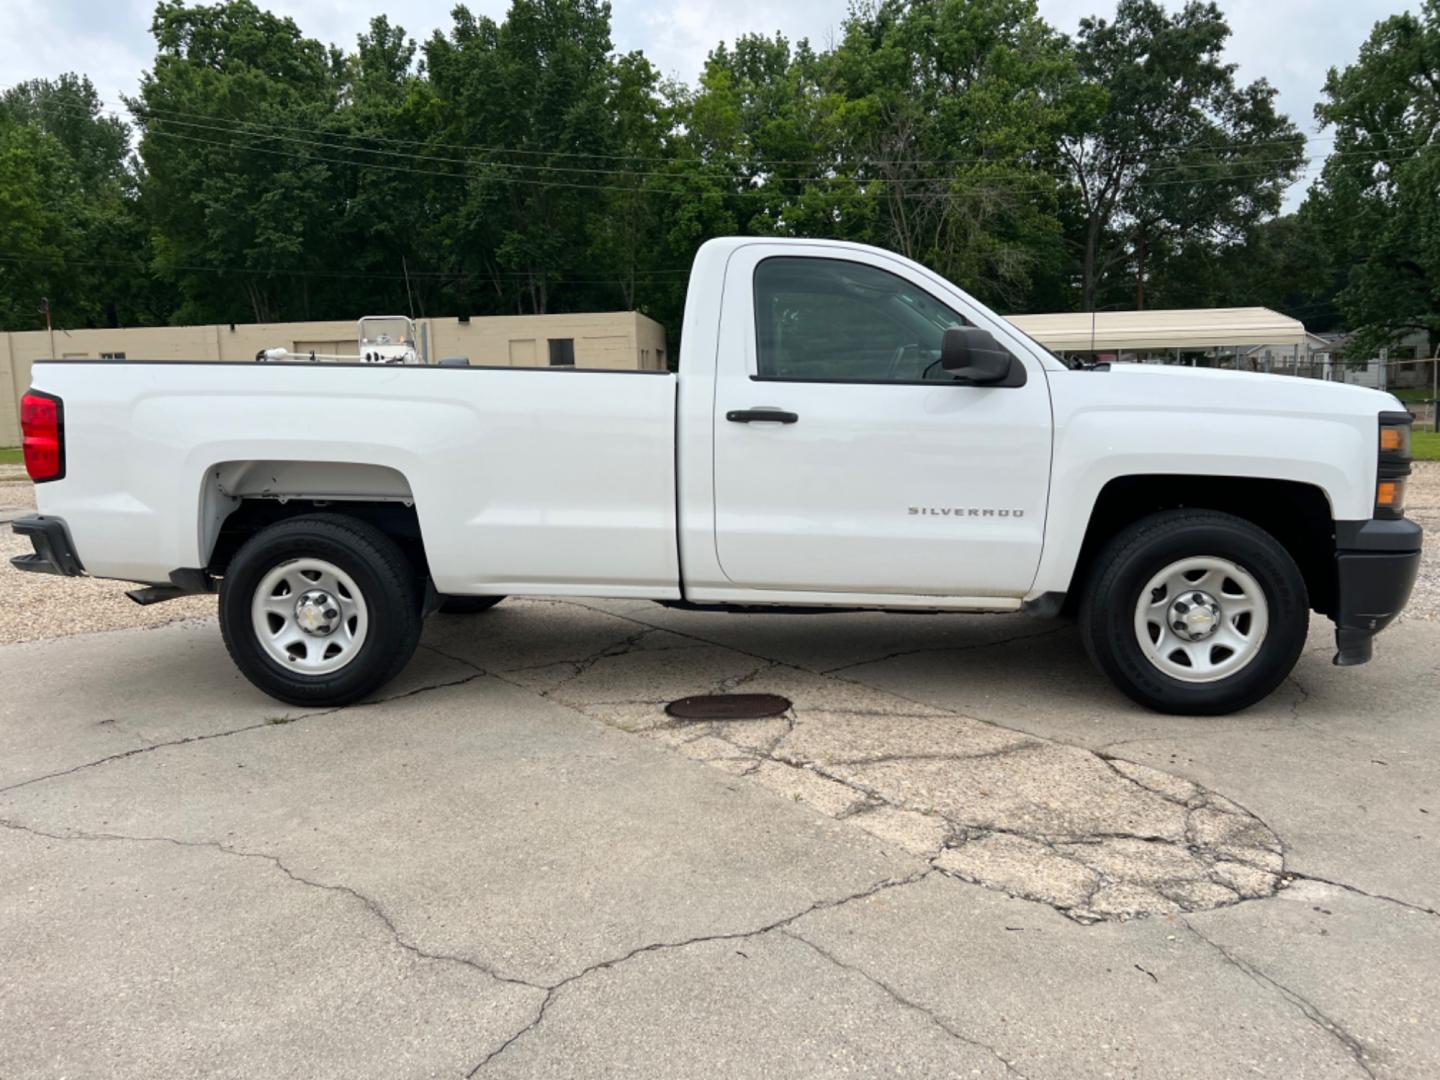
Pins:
<point x="1201" y="619"/>
<point x="309" y="616"/>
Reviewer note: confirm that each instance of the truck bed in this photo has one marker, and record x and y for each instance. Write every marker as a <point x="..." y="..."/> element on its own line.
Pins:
<point x="513" y="472"/>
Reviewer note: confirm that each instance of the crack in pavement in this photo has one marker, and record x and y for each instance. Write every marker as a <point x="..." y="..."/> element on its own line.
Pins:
<point x="1210" y="860"/>
<point x="620" y="647"/>
<point x="1300" y="875"/>
<point x="367" y="902"/>
<point x="1353" y="1046"/>
<point x="666" y="946"/>
<point x="703" y="729"/>
<point x="930" y="711"/>
<point x="983" y="755"/>
<point x="1047" y="632"/>
<point x="907" y="1003"/>
<point x="550" y="990"/>
<point x="1299" y="701"/>
<point x="188" y="739"/>
<point x="1169" y="889"/>
<point x="870" y="800"/>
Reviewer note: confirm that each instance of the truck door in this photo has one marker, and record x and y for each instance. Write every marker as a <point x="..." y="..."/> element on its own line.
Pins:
<point x="847" y="460"/>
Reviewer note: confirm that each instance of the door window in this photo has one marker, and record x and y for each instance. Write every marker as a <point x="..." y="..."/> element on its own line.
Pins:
<point x="830" y="320"/>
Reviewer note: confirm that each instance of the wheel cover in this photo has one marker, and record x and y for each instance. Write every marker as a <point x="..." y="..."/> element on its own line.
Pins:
<point x="309" y="616"/>
<point x="1201" y="619"/>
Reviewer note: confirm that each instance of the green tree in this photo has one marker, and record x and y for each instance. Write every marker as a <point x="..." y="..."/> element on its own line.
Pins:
<point x="34" y="182"/>
<point x="1280" y="265"/>
<point x="1167" y="151"/>
<point x="385" y="227"/>
<point x="67" y="195"/>
<point x="627" y="223"/>
<point x="1378" y="199"/>
<point x="535" y="91"/>
<point x="241" y="193"/>
<point x="68" y="108"/>
<point x="950" y="119"/>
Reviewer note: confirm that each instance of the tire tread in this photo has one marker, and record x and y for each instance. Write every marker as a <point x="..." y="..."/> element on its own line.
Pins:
<point x="1105" y="639"/>
<point x="399" y="603"/>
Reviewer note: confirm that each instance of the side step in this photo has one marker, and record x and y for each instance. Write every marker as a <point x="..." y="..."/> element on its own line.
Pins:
<point x="156" y="594"/>
<point x="183" y="582"/>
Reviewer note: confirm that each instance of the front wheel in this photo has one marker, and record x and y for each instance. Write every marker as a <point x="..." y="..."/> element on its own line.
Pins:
<point x="320" y="610"/>
<point x="1195" y="612"/>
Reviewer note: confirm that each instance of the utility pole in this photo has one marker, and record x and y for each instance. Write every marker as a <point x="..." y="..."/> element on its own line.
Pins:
<point x="49" y="329"/>
<point x="1435" y="390"/>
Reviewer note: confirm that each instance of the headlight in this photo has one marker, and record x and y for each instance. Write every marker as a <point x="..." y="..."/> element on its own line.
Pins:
<point x="1394" y="470"/>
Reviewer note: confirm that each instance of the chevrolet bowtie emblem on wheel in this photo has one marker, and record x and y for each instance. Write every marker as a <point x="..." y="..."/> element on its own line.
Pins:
<point x="964" y="511"/>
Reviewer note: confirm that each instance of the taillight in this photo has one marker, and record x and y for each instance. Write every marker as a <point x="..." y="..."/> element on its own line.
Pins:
<point x="42" y="429"/>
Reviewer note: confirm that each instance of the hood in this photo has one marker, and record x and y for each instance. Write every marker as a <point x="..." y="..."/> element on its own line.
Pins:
<point x="1239" y="391"/>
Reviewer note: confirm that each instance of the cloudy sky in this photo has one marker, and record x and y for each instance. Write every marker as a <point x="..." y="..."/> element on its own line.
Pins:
<point x="1290" y="42"/>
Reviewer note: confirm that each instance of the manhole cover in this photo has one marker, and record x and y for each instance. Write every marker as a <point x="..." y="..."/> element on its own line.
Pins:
<point x="728" y="707"/>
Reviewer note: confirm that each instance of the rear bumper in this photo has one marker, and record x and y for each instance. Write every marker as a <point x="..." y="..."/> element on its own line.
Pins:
<point x="53" y="554"/>
<point x="1376" y="564"/>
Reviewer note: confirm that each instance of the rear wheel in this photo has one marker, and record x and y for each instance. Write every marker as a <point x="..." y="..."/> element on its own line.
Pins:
<point x="467" y="605"/>
<point x="1195" y="612"/>
<point x="320" y="610"/>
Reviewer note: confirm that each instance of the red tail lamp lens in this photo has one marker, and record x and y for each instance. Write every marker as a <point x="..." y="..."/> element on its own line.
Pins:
<point x="43" y="433"/>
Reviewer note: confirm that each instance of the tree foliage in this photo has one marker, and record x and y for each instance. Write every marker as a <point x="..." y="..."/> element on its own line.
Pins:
<point x="71" y="238"/>
<point x="1166" y="150"/>
<point x="521" y="164"/>
<point x="1377" y="205"/>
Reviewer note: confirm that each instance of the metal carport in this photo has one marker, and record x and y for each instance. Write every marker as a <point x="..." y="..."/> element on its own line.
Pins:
<point x="1188" y="329"/>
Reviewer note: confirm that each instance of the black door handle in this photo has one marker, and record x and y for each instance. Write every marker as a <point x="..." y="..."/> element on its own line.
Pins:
<point x="761" y="416"/>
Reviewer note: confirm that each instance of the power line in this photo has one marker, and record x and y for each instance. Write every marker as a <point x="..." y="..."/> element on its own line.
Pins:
<point x="768" y="190"/>
<point x="495" y="148"/>
<point x="234" y="125"/>
<point x="1172" y="166"/>
<point x="481" y="162"/>
<point x="242" y="128"/>
<point x="343" y="275"/>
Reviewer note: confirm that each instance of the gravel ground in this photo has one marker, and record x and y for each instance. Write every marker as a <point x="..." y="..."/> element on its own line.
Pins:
<point x="39" y="606"/>
<point x="1423" y="505"/>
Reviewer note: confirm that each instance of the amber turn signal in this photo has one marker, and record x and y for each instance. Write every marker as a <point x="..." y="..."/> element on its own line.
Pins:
<point x="1390" y="495"/>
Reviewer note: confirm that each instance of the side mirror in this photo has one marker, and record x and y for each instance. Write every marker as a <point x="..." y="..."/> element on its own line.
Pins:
<point x="974" y="355"/>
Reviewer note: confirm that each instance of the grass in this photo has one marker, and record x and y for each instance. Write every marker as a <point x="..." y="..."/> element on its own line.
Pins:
<point x="1412" y="396"/>
<point x="11" y="455"/>
<point x="1426" y="445"/>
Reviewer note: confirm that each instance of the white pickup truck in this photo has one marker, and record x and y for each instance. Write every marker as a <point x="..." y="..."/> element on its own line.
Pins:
<point x="847" y="430"/>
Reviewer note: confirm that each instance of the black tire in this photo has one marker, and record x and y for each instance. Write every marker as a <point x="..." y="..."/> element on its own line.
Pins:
<point x="386" y="581"/>
<point x="467" y="605"/>
<point x="1128" y="563"/>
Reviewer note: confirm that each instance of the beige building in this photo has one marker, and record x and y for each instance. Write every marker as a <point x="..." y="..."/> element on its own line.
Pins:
<point x="617" y="339"/>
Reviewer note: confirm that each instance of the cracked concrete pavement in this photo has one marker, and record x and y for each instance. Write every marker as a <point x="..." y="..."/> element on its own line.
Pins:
<point x="960" y="853"/>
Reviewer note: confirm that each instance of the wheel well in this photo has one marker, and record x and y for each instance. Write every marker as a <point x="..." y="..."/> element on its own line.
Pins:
<point x="239" y="498"/>
<point x="397" y="520"/>
<point x="1297" y="515"/>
